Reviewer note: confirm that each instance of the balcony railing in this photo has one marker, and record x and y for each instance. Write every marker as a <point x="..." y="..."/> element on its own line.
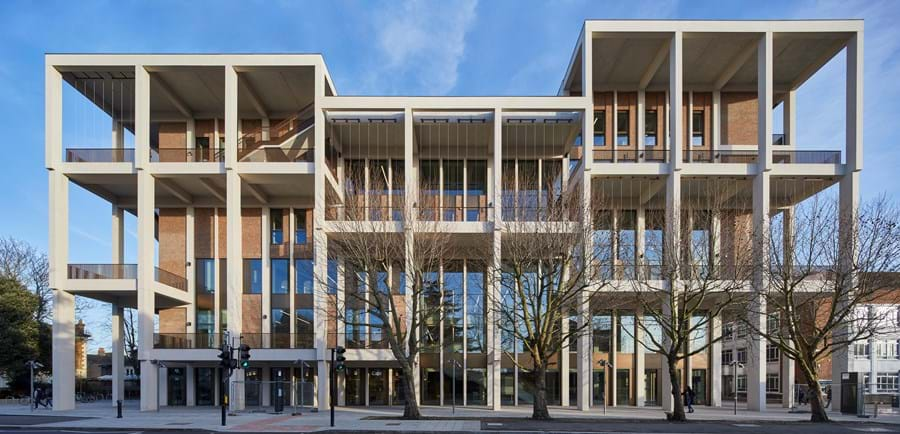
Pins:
<point x="100" y="155"/>
<point x="170" y="279"/>
<point x="102" y="271"/>
<point x="630" y="155"/>
<point x="187" y="155"/>
<point x="187" y="341"/>
<point x="277" y="154"/>
<point x="274" y="341"/>
<point x="806" y="157"/>
<point x="455" y="213"/>
<point x="721" y="156"/>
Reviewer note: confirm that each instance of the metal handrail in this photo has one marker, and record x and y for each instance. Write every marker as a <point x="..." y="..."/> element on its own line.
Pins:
<point x="100" y="155"/>
<point x="170" y="279"/>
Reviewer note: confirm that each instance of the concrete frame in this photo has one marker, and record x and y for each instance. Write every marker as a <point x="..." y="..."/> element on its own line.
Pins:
<point x="326" y="99"/>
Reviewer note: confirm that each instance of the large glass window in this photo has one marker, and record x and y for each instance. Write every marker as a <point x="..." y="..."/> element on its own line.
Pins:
<point x="276" y="217"/>
<point x="622" y="128"/>
<point x="697" y="125"/>
<point x="475" y="325"/>
<point x="699" y="326"/>
<point x="650" y="127"/>
<point x="206" y="269"/>
<point x="252" y="276"/>
<point x="476" y="190"/>
<point x="601" y="326"/>
<point x="305" y="328"/>
<point x="453" y="304"/>
<point x="429" y="188"/>
<point x="625" y="333"/>
<point x="625" y="245"/>
<point x="300" y="235"/>
<point x="453" y="190"/>
<point x="652" y="336"/>
<point x="280" y="276"/>
<point x="332" y="276"/>
<point x="599" y="128"/>
<point x="304" y="276"/>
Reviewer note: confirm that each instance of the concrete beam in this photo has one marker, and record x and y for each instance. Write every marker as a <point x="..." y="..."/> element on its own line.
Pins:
<point x="179" y="104"/>
<point x="173" y="188"/>
<point x="213" y="189"/>
<point x="255" y="100"/>
<point x="735" y="64"/>
<point x="654" y="65"/>
<point x="257" y="193"/>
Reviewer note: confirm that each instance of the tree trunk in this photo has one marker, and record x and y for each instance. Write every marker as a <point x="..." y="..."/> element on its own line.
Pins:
<point x="411" y="405"/>
<point x="677" y="414"/>
<point x="816" y="406"/>
<point x="540" y="411"/>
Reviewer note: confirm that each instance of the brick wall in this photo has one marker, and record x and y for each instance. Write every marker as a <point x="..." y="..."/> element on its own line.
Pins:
<point x="173" y="320"/>
<point x="739" y="118"/>
<point x="172" y="246"/>
<point x="172" y="135"/>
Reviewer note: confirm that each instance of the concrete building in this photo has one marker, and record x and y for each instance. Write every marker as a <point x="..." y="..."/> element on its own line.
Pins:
<point x="236" y="166"/>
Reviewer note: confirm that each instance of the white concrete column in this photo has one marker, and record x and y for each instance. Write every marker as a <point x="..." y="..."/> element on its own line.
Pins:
<point x="564" y="366"/>
<point x="764" y="95"/>
<point x="676" y="125"/>
<point x="191" y="275"/>
<point x="854" y="128"/>
<point x="234" y="271"/>
<point x="716" y="120"/>
<point x="641" y="121"/>
<point x="756" y="359"/>
<point x="163" y="385"/>
<point x="231" y="118"/>
<point x="146" y="282"/>
<point x="494" y="332"/>
<point x="320" y="300"/>
<point x="665" y="392"/>
<point x="141" y="117"/>
<point x="787" y="380"/>
<point x="191" y="395"/>
<point x="190" y="135"/>
<point x="789" y="116"/>
<point x="117" y="315"/>
<point x="63" y="350"/>
<point x="266" y="260"/>
<point x="640" y="377"/>
<point x="584" y="353"/>
<point x="715" y="362"/>
<point x="53" y="146"/>
<point x="118" y="353"/>
<point x="613" y="364"/>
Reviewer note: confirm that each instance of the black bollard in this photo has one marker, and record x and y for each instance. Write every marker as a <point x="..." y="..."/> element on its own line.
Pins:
<point x="118" y="409"/>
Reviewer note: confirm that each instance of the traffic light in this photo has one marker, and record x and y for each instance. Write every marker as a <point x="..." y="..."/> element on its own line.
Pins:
<point x="245" y="356"/>
<point x="340" y="359"/>
<point x="225" y="356"/>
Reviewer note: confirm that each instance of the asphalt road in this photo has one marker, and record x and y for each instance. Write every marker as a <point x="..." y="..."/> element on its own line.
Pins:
<point x="646" y="426"/>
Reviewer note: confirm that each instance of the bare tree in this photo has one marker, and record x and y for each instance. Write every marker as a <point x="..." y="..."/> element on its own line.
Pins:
<point x="826" y="271"/>
<point x="547" y="273"/>
<point x="391" y="256"/>
<point x="690" y="277"/>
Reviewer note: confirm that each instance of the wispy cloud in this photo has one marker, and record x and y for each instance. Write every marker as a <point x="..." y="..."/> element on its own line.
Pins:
<point x="418" y="47"/>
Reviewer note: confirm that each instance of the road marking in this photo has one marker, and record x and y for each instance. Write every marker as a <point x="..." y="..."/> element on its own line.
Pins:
<point x="746" y="425"/>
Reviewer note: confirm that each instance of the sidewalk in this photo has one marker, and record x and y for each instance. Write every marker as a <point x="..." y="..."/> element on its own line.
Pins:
<point x="103" y="415"/>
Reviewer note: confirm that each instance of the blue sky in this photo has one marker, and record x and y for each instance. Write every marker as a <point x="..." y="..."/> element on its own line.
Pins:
<point x="464" y="47"/>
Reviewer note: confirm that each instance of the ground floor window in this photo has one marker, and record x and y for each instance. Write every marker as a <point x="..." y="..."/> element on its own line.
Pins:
<point x="177" y="386"/>
<point x="507" y="386"/>
<point x="204" y="381"/>
<point x="773" y="383"/>
<point x="476" y="389"/>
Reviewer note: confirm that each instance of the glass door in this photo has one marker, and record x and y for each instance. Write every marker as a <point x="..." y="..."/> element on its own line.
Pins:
<point x="651" y="387"/>
<point x="378" y="390"/>
<point x="698" y="384"/>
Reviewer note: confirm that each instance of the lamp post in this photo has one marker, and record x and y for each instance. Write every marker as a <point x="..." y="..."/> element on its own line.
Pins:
<point x="32" y="365"/>
<point x="455" y="364"/>
<point x="603" y="364"/>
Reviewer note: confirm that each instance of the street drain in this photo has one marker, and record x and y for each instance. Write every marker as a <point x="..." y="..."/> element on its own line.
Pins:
<point x="393" y="424"/>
